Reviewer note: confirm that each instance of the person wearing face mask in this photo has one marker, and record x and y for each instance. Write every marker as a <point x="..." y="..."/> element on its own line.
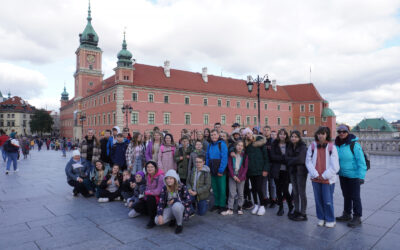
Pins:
<point x="352" y="169"/>
<point x="323" y="164"/>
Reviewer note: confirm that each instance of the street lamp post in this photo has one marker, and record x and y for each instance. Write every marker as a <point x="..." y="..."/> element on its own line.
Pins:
<point x="126" y="109"/>
<point x="258" y="81"/>
<point x="82" y="119"/>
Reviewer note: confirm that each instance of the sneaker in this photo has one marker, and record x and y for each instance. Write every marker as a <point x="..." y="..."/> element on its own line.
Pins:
<point x="240" y="211"/>
<point x="321" y="223"/>
<point x="227" y="212"/>
<point x="221" y="210"/>
<point x="261" y="211"/>
<point x="248" y="205"/>
<point x="330" y="224"/>
<point x="293" y="215"/>
<point x="75" y="192"/>
<point x="16" y="170"/>
<point x="133" y="213"/>
<point x="103" y="200"/>
<point x="280" y="211"/>
<point x="255" y="209"/>
<point x="151" y="224"/>
<point x="178" y="229"/>
<point x="214" y="208"/>
<point x="300" y="217"/>
<point x="355" y="222"/>
<point x="344" y="217"/>
<point x="126" y="204"/>
<point x="118" y="198"/>
<point x="272" y="204"/>
<point x="7" y="171"/>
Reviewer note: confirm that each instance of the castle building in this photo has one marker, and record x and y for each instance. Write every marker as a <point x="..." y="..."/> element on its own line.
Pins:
<point x="15" y="114"/>
<point x="174" y="99"/>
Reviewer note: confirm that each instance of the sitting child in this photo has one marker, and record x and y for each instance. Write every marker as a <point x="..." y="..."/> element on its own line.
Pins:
<point x="126" y="187"/>
<point x="199" y="185"/>
<point x="138" y="186"/>
<point x="110" y="186"/>
<point x="97" y="175"/>
<point x="174" y="205"/>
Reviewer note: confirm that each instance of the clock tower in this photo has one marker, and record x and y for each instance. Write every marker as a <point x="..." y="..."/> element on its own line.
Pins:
<point x="88" y="74"/>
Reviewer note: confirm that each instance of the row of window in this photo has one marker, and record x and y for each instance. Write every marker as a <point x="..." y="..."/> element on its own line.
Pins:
<point x="151" y="116"/>
<point x="150" y="98"/>
<point x="105" y="119"/>
<point x="8" y="123"/>
<point x="310" y="108"/>
<point x="13" y="116"/>
<point x="93" y="102"/>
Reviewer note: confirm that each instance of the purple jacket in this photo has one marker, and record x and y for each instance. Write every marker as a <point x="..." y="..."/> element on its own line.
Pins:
<point x="149" y="151"/>
<point x="242" y="170"/>
<point x="155" y="184"/>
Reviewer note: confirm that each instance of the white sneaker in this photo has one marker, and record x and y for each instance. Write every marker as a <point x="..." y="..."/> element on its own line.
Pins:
<point x="321" y="223"/>
<point x="117" y="199"/>
<point x="16" y="170"/>
<point x="103" y="200"/>
<point x="330" y="224"/>
<point x="133" y="213"/>
<point x="227" y="212"/>
<point x="126" y="204"/>
<point x="255" y="209"/>
<point x="261" y="211"/>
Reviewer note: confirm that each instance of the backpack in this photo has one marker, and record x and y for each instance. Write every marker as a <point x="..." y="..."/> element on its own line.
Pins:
<point x="7" y="145"/>
<point x="366" y="157"/>
<point x="330" y="147"/>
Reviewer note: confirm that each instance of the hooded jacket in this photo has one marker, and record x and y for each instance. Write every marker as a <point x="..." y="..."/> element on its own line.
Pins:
<point x="203" y="184"/>
<point x="257" y="156"/>
<point x="183" y="165"/>
<point x="183" y="195"/>
<point x="95" y="176"/>
<point x="351" y="165"/>
<point x="155" y="184"/>
<point x="214" y="153"/>
<point x="243" y="167"/>
<point x="117" y="154"/>
<point x="192" y="159"/>
<point x="296" y="158"/>
<point x="74" y="171"/>
<point x="332" y="163"/>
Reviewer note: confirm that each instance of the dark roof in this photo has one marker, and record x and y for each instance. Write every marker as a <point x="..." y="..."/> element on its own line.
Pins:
<point x="16" y="104"/>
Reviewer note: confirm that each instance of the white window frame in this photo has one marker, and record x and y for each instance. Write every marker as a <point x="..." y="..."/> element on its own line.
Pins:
<point x="190" y="118"/>
<point x="311" y="107"/>
<point x="223" y="119"/>
<point x="302" y="108"/>
<point x="133" y="114"/>
<point x="238" y="119"/>
<point x="187" y="98"/>
<point x="149" y="120"/>
<point x="167" y="118"/>
<point x="248" y="120"/>
<point x="305" y="120"/>
<point x="309" y="120"/>
<point x="137" y="96"/>
<point x="205" y="102"/>
<point x="206" y="119"/>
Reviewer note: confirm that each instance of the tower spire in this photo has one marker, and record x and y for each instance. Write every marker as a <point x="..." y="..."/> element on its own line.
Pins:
<point x="89" y="18"/>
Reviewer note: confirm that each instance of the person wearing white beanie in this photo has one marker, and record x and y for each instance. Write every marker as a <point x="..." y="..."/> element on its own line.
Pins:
<point x="78" y="171"/>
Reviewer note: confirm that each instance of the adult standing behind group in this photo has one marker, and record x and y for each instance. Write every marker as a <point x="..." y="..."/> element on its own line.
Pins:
<point x="78" y="173"/>
<point x="352" y="170"/>
<point x="90" y="148"/>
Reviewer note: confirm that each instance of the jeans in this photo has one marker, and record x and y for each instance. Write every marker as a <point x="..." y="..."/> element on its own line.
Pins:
<point x="351" y="194"/>
<point x="170" y="213"/>
<point x="299" y="192"/>
<point x="282" y="188"/>
<point x="323" y="195"/>
<point x="12" y="157"/>
<point x="271" y="187"/>
<point x="202" y="206"/>
<point x="3" y="153"/>
<point x="218" y="184"/>
<point x="137" y="166"/>
<point x="235" y="188"/>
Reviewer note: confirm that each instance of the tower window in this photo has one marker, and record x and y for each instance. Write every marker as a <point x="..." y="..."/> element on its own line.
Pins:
<point x="90" y="66"/>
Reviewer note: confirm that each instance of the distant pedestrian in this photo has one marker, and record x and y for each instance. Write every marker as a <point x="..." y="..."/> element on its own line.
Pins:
<point x="11" y="146"/>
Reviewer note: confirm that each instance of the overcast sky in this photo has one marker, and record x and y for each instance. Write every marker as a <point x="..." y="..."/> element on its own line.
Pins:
<point x="351" y="46"/>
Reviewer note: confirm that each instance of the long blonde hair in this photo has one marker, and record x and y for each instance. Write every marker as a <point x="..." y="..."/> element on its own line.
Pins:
<point x="153" y="151"/>
<point x="175" y="186"/>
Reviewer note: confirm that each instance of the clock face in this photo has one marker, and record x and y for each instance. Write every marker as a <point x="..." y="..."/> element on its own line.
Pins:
<point x="90" y="58"/>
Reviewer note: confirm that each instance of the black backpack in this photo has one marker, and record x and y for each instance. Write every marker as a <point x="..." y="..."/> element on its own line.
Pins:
<point x="7" y="146"/>
<point x="366" y="157"/>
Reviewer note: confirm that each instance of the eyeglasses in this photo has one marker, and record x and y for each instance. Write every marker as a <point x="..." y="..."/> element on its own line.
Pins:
<point x="342" y="132"/>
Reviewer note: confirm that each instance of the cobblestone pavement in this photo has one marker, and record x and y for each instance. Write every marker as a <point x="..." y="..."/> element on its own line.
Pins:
<point x="38" y="211"/>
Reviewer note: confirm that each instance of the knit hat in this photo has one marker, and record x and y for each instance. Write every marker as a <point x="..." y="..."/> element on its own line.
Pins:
<point x="76" y="153"/>
<point x="140" y="173"/>
<point x="343" y="128"/>
<point x="236" y="131"/>
<point x="247" y="130"/>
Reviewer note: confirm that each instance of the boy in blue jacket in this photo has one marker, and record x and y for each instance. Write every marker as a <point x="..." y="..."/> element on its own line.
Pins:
<point x="117" y="153"/>
<point x="217" y="160"/>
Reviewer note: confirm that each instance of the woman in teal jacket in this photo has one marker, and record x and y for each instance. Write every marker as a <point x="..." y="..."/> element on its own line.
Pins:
<point x="352" y="170"/>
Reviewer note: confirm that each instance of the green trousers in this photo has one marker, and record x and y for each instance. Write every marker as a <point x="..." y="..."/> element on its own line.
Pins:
<point x="218" y="184"/>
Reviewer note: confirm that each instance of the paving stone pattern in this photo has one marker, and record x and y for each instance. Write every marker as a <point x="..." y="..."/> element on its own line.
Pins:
<point x="38" y="211"/>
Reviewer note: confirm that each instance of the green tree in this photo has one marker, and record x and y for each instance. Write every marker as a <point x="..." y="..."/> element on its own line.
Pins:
<point x="41" y="122"/>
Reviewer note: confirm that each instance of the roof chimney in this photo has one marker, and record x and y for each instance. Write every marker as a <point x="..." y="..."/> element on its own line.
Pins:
<point x="167" y="68"/>
<point x="204" y="74"/>
<point x="274" y="85"/>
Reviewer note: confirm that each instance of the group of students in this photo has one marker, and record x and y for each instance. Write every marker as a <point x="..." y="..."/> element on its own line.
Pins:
<point x="171" y="181"/>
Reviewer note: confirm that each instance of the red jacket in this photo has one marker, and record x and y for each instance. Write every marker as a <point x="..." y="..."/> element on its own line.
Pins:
<point x="243" y="168"/>
<point x="3" y="139"/>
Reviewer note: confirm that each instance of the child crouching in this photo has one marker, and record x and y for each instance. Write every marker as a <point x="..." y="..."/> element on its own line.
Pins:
<point x="174" y="205"/>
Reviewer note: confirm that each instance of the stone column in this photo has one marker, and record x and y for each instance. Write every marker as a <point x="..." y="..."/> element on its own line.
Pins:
<point x="119" y="103"/>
